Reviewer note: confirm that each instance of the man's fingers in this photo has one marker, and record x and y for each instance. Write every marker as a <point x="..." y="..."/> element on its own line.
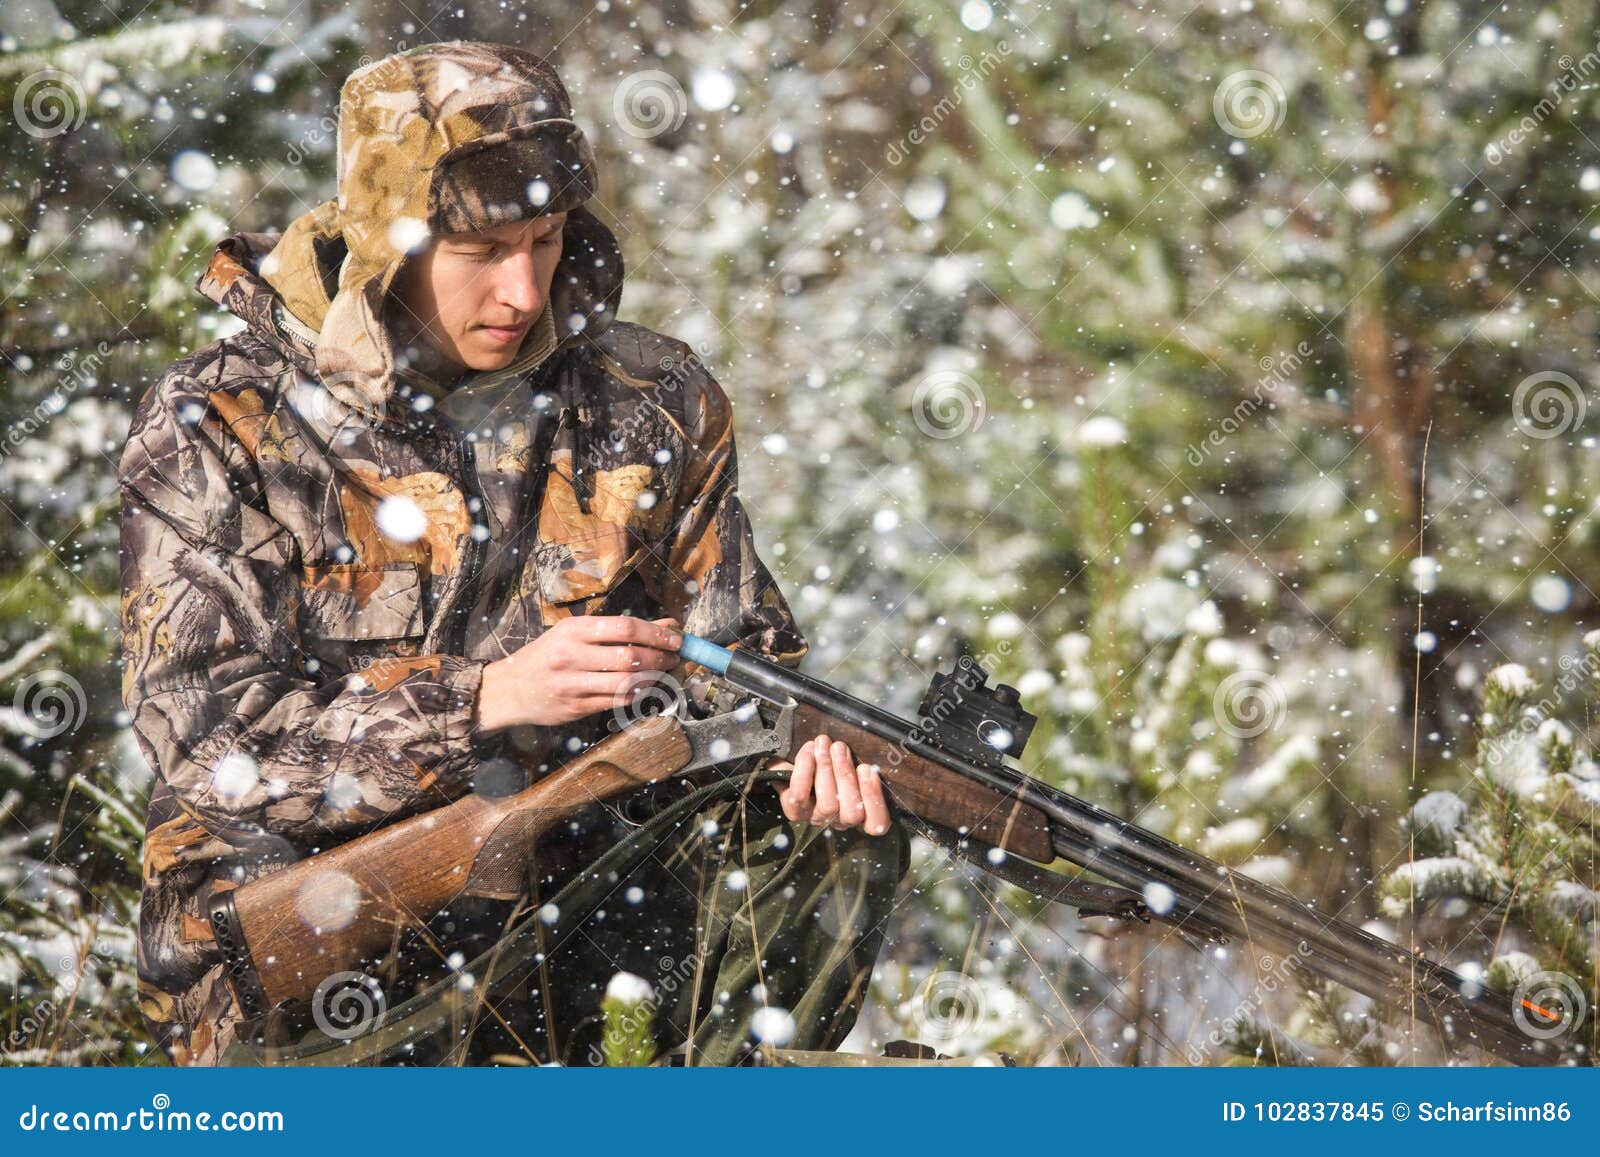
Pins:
<point x="851" y="812"/>
<point x="594" y="705"/>
<point x="626" y="657"/>
<point x="873" y="799"/>
<point x="796" y="797"/>
<point x="617" y="688"/>
<point x="665" y="634"/>
<point x="826" y="787"/>
<point x="662" y="634"/>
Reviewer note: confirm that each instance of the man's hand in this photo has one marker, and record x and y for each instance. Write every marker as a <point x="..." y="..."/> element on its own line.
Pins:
<point x="580" y="666"/>
<point x="830" y="790"/>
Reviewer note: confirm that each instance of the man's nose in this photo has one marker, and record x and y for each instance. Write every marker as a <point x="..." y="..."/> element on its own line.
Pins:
<point x="516" y="286"/>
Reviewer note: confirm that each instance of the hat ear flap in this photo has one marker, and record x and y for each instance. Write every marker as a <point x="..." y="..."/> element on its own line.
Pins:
<point x="354" y="359"/>
<point x="587" y="287"/>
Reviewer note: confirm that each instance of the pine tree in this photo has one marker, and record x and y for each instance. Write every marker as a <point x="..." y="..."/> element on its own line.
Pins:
<point x="1505" y="868"/>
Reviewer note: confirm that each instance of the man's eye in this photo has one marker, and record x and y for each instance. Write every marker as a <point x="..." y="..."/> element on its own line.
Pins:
<point x="550" y="239"/>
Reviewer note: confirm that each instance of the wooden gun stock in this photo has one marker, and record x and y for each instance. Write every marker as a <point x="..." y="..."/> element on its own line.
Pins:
<point x="366" y="892"/>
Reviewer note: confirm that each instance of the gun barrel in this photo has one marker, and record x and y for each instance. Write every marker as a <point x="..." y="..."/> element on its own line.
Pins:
<point x="765" y="678"/>
<point x="1204" y="891"/>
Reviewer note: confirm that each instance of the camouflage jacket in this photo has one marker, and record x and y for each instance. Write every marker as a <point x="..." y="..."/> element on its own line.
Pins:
<point x="314" y="577"/>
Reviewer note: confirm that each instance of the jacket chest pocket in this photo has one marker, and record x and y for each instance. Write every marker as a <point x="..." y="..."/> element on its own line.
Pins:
<point x="352" y="613"/>
<point x="586" y="548"/>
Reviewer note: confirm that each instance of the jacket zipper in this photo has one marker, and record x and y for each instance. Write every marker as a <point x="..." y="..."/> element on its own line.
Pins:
<point x="467" y="600"/>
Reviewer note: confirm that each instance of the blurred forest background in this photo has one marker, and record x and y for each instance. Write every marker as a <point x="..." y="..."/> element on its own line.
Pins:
<point x="1223" y="372"/>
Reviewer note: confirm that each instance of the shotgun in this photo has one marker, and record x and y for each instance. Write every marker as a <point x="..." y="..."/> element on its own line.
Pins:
<point x="281" y="947"/>
<point x="967" y="728"/>
<point x="947" y="769"/>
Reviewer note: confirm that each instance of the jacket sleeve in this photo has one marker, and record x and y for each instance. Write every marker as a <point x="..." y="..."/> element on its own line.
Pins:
<point x="718" y="587"/>
<point x="224" y="702"/>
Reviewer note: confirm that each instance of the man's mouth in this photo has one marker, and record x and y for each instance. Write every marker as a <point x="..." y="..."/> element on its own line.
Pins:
<point x="502" y="333"/>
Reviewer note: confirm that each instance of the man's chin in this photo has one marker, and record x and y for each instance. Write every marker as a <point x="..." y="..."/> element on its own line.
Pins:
<point x="481" y="360"/>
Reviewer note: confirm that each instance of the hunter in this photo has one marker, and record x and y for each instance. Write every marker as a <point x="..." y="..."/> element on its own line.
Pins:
<point x="429" y="519"/>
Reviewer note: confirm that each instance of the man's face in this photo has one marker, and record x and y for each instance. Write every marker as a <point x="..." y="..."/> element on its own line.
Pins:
<point x="473" y="296"/>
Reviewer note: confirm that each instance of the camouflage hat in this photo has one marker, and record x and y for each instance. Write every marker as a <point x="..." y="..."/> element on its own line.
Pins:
<point x="444" y="138"/>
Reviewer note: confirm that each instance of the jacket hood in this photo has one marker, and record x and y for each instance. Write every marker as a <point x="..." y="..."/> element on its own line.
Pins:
<point x="445" y="138"/>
